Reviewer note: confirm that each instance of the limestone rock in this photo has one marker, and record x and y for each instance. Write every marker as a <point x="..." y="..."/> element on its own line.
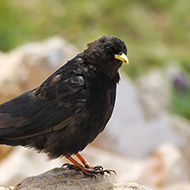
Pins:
<point x="130" y="129"/>
<point x="180" y="186"/>
<point x="5" y="188"/>
<point x="11" y="171"/>
<point x="61" y="178"/>
<point x="27" y="66"/>
<point x="154" y="88"/>
<point x="165" y="168"/>
<point x="21" y="163"/>
<point x="126" y="169"/>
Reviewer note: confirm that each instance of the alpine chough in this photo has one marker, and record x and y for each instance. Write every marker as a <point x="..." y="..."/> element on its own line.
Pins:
<point x="69" y="109"/>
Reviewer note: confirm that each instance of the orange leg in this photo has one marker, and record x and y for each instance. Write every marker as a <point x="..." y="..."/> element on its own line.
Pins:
<point x="76" y="163"/>
<point x="86" y="164"/>
<point x="86" y="167"/>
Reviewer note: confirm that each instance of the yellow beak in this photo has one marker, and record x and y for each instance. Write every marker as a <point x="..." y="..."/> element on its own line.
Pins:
<point x="122" y="57"/>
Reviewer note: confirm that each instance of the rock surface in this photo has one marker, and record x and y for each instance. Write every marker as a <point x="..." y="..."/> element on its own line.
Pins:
<point x="133" y="128"/>
<point x="180" y="186"/>
<point x="34" y="163"/>
<point x="61" y="178"/>
<point x="164" y="168"/>
<point x="29" y="65"/>
<point x="21" y="163"/>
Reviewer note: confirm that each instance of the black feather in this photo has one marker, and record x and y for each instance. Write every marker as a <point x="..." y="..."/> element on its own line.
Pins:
<point x="70" y="108"/>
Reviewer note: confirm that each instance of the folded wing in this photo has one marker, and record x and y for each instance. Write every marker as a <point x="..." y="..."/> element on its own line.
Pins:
<point x="46" y="108"/>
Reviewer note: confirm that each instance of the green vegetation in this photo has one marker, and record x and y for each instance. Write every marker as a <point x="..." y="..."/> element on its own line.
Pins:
<point x="181" y="103"/>
<point x="156" y="31"/>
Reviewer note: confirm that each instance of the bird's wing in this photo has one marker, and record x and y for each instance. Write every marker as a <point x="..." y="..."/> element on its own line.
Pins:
<point x="48" y="107"/>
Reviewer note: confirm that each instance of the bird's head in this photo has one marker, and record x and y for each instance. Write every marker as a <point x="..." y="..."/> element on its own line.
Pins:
<point x="106" y="54"/>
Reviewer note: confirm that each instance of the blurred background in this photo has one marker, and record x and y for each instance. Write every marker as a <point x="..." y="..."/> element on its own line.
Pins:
<point x="149" y="131"/>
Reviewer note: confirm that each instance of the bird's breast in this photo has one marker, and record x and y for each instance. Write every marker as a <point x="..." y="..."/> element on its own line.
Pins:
<point x="101" y="94"/>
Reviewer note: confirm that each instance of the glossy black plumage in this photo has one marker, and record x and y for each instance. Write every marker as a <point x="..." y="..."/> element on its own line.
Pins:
<point x="69" y="109"/>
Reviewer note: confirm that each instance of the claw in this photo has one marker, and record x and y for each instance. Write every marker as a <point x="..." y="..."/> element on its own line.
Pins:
<point x="71" y="167"/>
<point x="109" y="171"/>
<point x="101" y="170"/>
<point x="92" y="175"/>
<point x="66" y="164"/>
<point x="98" y="168"/>
<point x="76" y="168"/>
<point x="89" y="171"/>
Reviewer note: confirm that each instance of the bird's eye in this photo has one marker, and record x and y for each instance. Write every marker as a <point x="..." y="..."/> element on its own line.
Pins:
<point x="108" y="47"/>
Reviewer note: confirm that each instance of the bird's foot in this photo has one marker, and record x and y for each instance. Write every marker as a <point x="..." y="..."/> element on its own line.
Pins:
<point x="99" y="170"/>
<point x="71" y="167"/>
<point x="90" y="171"/>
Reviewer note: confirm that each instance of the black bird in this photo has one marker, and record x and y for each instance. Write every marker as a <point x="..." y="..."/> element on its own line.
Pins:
<point x="69" y="109"/>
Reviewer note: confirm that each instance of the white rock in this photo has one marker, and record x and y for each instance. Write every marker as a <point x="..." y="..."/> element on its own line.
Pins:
<point x="179" y="186"/>
<point x="29" y="65"/>
<point x="21" y="163"/>
<point x="126" y="169"/>
<point x="165" y="168"/>
<point x="129" y="132"/>
<point x="11" y="168"/>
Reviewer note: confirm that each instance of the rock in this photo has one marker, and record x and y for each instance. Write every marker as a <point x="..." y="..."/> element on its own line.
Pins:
<point x="5" y="188"/>
<point x="141" y="121"/>
<point x="61" y="178"/>
<point x="180" y="186"/>
<point x="126" y="169"/>
<point x="29" y="65"/>
<point x="165" y="168"/>
<point x="35" y="163"/>
<point x="21" y="163"/>
<point x="182" y="128"/>
<point x="155" y="87"/>
<point x="131" y="129"/>
<point x="119" y="132"/>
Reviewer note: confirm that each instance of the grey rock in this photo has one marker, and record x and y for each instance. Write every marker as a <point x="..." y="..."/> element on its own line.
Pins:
<point x="164" y="168"/>
<point x="179" y="186"/>
<point x="61" y="178"/>
<point x="130" y="132"/>
<point x="29" y="65"/>
<point x="21" y="163"/>
<point x="11" y="171"/>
